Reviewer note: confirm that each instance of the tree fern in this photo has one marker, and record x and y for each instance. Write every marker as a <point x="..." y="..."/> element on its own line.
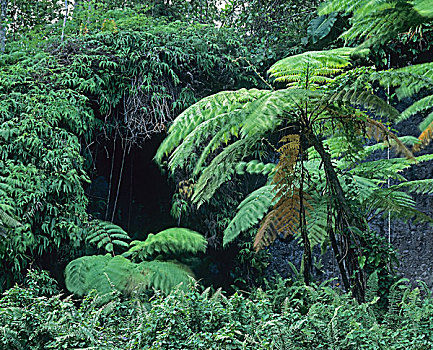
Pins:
<point x="249" y="212"/>
<point x="106" y="273"/>
<point x="175" y="241"/>
<point x="307" y="112"/>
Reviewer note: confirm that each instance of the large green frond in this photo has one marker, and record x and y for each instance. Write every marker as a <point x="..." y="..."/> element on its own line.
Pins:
<point x="376" y="20"/>
<point x="103" y="273"/>
<point x="176" y="240"/>
<point x="399" y="205"/>
<point x="165" y="275"/>
<point x="253" y="119"/>
<point x="249" y="212"/>
<point x="206" y="109"/>
<point x="416" y="186"/>
<point x="424" y="7"/>
<point x="423" y="104"/>
<point x="367" y="100"/>
<point x="317" y="65"/>
<point x="221" y="169"/>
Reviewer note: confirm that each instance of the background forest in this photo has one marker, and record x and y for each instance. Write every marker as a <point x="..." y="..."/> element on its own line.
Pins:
<point x="160" y="161"/>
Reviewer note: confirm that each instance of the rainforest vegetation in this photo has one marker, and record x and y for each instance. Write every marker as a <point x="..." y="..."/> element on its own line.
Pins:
<point x="153" y="153"/>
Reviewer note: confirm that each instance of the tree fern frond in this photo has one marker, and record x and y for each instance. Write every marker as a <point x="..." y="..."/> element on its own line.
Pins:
<point x="281" y="221"/>
<point x="264" y="114"/>
<point x="254" y="167"/>
<point x="416" y="186"/>
<point x="375" y="20"/>
<point x="424" y="8"/>
<point x="221" y="169"/>
<point x="101" y="272"/>
<point x="383" y="169"/>
<point x="409" y="80"/>
<point x="320" y="64"/>
<point x="368" y="101"/>
<point x="107" y="235"/>
<point x="381" y="133"/>
<point x="176" y="240"/>
<point x="399" y="205"/>
<point x="165" y="275"/>
<point x="388" y="201"/>
<point x="249" y="212"/>
<point x="423" y="104"/>
<point x="205" y="109"/>
<point x="285" y="216"/>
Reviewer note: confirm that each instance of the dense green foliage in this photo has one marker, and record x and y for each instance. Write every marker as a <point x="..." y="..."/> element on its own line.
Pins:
<point x="286" y="316"/>
<point x="41" y="164"/>
<point x="290" y="152"/>
<point x="61" y="101"/>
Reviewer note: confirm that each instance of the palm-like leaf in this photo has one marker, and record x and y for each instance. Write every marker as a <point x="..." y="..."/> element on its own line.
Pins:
<point x="176" y="240"/>
<point x="107" y="235"/>
<point x="318" y="66"/>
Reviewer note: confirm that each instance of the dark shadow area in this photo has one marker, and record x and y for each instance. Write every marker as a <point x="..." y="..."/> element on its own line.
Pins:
<point x="129" y="189"/>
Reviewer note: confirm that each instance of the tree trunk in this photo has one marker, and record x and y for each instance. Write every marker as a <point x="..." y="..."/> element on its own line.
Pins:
<point x="354" y="271"/>
<point x="3" y="5"/>
<point x="303" y="222"/>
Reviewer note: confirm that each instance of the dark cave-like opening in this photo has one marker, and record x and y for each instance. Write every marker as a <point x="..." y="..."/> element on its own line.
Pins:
<point x="129" y="189"/>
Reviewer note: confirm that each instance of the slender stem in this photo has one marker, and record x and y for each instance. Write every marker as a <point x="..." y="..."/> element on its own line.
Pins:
<point x="4" y="5"/>
<point x="111" y="177"/>
<point x="118" y="183"/>
<point x="64" y="20"/>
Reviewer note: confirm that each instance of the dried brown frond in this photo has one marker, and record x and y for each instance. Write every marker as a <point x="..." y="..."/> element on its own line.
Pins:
<point x="425" y="138"/>
<point x="380" y="132"/>
<point x="284" y="219"/>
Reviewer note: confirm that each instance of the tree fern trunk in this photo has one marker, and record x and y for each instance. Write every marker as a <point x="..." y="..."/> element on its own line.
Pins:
<point x="348" y="220"/>
<point x="304" y="233"/>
